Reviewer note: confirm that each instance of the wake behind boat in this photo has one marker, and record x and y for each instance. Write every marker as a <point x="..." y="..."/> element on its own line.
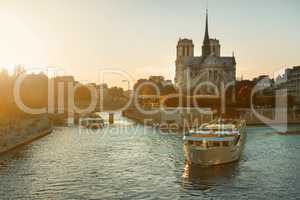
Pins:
<point x="218" y="142"/>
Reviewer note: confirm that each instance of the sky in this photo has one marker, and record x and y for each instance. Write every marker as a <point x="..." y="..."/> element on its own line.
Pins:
<point x="139" y="37"/>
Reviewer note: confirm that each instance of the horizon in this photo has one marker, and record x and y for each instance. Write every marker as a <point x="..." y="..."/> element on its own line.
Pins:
<point x="92" y="35"/>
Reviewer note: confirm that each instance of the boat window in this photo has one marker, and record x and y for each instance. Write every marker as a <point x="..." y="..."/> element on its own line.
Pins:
<point x="199" y="144"/>
<point x="213" y="144"/>
<point x="225" y="143"/>
<point x="210" y="144"/>
<point x="216" y="144"/>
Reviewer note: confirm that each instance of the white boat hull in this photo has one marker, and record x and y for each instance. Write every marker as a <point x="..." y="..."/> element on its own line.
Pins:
<point x="214" y="156"/>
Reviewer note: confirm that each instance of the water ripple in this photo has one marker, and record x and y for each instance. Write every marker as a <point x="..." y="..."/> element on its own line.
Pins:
<point x="72" y="164"/>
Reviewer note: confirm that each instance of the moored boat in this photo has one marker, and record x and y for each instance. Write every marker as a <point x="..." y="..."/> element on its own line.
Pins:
<point x="92" y="121"/>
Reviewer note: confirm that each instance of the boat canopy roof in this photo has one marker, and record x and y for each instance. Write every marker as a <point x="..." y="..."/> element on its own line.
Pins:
<point x="219" y="127"/>
<point x="218" y="139"/>
<point x="218" y="132"/>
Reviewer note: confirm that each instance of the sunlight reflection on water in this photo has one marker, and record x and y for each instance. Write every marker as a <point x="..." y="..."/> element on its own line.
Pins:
<point x="139" y="163"/>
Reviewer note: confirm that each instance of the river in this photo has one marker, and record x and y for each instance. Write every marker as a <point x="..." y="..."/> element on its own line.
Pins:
<point x="129" y="161"/>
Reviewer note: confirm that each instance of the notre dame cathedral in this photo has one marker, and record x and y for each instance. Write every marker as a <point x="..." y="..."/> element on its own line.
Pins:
<point x="211" y="68"/>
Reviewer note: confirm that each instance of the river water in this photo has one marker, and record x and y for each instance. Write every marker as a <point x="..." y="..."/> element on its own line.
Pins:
<point x="129" y="161"/>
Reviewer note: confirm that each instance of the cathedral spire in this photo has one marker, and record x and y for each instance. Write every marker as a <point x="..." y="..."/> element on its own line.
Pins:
<point x="206" y="49"/>
<point x="206" y="36"/>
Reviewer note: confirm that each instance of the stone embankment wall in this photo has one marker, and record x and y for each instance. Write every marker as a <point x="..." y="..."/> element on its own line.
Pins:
<point x="189" y="116"/>
<point x="182" y="117"/>
<point x="141" y="117"/>
<point x="23" y="131"/>
<point x="269" y="115"/>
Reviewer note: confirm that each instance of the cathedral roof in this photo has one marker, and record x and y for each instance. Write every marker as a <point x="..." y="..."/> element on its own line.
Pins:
<point x="210" y="61"/>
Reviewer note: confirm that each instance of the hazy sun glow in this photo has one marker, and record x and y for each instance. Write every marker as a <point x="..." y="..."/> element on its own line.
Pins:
<point x="140" y="37"/>
<point x="19" y="44"/>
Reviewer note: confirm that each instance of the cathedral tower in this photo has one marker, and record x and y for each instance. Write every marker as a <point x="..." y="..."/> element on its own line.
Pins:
<point x="185" y="49"/>
<point x="210" y="46"/>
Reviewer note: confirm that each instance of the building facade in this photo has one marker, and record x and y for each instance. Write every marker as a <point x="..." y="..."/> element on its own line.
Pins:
<point x="291" y="81"/>
<point x="210" y="67"/>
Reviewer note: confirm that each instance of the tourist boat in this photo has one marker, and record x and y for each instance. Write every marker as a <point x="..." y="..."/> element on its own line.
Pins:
<point x="217" y="142"/>
<point x="92" y="121"/>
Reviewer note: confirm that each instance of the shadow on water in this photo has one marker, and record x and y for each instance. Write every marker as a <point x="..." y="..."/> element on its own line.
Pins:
<point x="9" y="157"/>
<point x="197" y="177"/>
